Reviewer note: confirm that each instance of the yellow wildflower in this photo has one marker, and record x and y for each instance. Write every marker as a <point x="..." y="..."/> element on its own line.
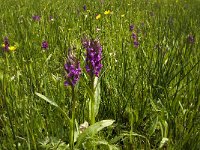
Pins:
<point x="98" y="16"/>
<point x="122" y="15"/>
<point x="107" y="12"/>
<point x="12" y="48"/>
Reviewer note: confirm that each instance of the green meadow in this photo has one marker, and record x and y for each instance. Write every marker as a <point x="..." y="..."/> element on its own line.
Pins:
<point x="146" y="96"/>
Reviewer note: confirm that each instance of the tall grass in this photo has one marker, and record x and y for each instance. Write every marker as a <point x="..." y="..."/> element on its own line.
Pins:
<point x="152" y="92"/>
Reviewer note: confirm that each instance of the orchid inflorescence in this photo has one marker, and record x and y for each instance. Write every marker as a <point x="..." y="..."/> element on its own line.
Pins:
<point x="73" y="69"/>
<point x="93" y="56"/>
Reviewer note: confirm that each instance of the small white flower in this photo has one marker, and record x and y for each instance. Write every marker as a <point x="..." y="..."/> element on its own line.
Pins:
<point x="83" y="126"/>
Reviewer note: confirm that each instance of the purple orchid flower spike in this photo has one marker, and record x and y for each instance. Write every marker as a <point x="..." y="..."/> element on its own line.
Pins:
<point x="93" y="56"/>
<point x="73" y="70"/>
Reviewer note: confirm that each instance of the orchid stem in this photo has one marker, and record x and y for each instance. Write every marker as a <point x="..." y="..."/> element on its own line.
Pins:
<point x="72" y="120"/>
<point x="92" y="102"/>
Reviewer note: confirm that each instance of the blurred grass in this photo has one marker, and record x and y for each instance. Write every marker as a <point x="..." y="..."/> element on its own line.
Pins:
<point x="152" y="90"/>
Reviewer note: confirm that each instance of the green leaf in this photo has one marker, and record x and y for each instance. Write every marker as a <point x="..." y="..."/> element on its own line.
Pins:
<point x="92" y="130"/>
<point x="47" y="99"/>
<point x="54" y="104"/>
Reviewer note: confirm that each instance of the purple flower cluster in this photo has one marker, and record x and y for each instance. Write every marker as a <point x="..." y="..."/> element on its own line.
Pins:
<point x="36" y="18"/>
<point x="6" y="44"/>
<point x="93" y="56"/>
<point x="135" y="40"/>
<point x="45" y="45"/>
<point x="73" y="69"/>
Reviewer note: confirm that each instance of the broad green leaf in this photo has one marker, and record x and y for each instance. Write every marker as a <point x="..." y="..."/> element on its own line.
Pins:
<point x="47" y="99"/>
<point x="92" y="130"/>
<point x="54" y="104"/>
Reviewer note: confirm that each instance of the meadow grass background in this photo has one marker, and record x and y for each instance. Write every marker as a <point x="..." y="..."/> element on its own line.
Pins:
<point x="152" y="92"/>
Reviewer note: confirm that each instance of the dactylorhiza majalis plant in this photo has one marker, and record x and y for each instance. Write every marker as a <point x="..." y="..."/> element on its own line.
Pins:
<point x="73" y="72"/>
<point x="93" y="66"/>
